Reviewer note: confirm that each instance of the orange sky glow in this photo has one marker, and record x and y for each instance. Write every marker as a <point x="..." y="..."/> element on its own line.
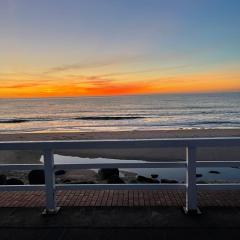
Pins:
<point x="79" y="85"/>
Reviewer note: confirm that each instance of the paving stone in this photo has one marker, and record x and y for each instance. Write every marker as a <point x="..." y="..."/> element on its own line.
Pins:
<point x="230" y="198"/>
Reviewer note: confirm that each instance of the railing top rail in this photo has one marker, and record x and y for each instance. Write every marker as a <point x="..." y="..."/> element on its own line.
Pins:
<point x="120" y="143"/>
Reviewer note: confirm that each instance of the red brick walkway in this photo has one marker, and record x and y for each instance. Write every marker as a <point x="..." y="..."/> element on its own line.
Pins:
<point x="120" y="198"/>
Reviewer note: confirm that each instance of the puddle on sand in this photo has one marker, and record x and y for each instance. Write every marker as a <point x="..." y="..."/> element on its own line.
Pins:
<point x="227" y="174"/>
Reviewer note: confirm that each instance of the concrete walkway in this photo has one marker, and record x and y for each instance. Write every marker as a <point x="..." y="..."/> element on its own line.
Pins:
<point x="119" y="215"/>
<point x="119" y="223"/>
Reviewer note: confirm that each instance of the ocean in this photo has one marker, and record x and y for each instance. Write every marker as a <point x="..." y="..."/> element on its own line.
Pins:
<point x="119" y="113"/>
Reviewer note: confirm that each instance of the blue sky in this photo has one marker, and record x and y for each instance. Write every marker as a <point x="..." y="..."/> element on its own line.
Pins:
<point x="134" y="35"/>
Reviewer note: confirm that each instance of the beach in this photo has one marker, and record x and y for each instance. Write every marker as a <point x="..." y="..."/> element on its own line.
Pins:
<point x="205" y="154"/>
<point x="181" y="133"/>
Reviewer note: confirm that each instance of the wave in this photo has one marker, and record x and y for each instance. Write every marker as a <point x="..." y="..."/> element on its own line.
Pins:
<point x="217" y="122"/>
<point x="108" y="118"/>
<point x="14" y="121"/>
<point x="23" y="120"/>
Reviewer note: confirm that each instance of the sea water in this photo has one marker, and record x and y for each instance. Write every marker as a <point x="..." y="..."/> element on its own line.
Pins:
<point x="118" y="113"/>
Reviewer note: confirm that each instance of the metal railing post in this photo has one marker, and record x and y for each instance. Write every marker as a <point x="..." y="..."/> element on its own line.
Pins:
<point x="49" y="183"/>
<point x="191" y="191"/>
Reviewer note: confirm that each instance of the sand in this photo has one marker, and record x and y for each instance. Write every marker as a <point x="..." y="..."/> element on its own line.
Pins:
<point x="161" y="154"/>
<point x="121" y="134"/>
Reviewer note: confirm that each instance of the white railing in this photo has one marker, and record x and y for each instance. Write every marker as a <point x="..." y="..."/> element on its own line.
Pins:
<point x="190" y="144"/>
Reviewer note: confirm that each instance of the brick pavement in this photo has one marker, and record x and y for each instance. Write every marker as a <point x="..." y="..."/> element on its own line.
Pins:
<point x="230" y="198"/>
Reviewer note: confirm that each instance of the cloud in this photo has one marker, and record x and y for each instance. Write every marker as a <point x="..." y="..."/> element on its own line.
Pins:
<point x="109" y="77"/>
<point x="96" y="64"/>
<point x="21" y="85"/>
<point x="144" y="71"/>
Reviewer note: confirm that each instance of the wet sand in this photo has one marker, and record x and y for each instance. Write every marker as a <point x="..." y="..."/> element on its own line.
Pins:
<point x="161" y="154"/>
<point x="121" y="134"/>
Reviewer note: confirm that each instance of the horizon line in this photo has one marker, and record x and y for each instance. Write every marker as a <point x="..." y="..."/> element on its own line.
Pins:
<point x="125" y="95"/>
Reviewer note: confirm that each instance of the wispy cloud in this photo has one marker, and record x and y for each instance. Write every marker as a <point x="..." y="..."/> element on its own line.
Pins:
<point x="93" y="64"/>
<point x="21" y="85"/>
<point x="145" y="71"/>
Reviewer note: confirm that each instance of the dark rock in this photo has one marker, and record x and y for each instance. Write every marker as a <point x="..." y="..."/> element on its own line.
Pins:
<point x="199" y="175"/>
<point x="215" y="172"/>
<point x="14" y="181"/>
<point x="154" y="175"/>
<point x="3" y="179"/>
<point x="115" y="179"/>
<point x="143" y="179"/>
<point x="202" y="182"/>
<point x="66" y="181"/>
<point x="168" y="181"/>
<point x="133" y="181"/>
<point x="106" y="173"/>
<point x="60" y="172"/>
<point x="36" y="177"/>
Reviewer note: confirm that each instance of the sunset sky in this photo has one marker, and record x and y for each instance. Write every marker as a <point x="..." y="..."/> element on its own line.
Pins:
<point x="51" y="48"/>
